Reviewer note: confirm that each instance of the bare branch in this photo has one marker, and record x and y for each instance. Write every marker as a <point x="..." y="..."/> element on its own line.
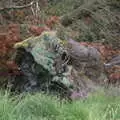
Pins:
<point x="18" y="7"/>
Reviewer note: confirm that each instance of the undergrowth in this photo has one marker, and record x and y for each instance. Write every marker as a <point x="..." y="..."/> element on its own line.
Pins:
<point x="43" y="107"/>
<point x="89" y="20"/>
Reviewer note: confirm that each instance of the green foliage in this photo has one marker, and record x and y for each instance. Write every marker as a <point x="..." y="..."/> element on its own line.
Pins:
<point x="92" y="20"/>
<point x="43" y="107"/>
<point x="61" y="7"/>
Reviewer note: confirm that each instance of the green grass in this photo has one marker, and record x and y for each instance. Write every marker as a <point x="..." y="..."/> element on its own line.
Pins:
<point x="41" y="107"/>
<point x="61" y="7"/>
<point x="88" y="20"/>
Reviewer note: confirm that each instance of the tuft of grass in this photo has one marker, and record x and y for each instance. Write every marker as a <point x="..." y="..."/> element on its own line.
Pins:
<point x="42" y="107"/>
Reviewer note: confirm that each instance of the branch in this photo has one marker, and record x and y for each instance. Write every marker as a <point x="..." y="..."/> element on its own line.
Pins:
<point x="18" y="7"/>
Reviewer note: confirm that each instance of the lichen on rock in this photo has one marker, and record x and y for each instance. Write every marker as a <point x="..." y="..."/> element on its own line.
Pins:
<point x="50" y="65"/>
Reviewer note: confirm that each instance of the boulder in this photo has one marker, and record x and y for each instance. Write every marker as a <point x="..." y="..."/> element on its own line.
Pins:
<point x="87" y="60"/>
<point x="54" y="66"/>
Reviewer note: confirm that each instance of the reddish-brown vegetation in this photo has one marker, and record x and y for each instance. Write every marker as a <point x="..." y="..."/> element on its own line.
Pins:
<point x="35" y="30"/>
<point x="7" y="40"/>
<point x="107" y="52"/>
<point x="51" y="21"/>
<point x="10" y="34"/>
